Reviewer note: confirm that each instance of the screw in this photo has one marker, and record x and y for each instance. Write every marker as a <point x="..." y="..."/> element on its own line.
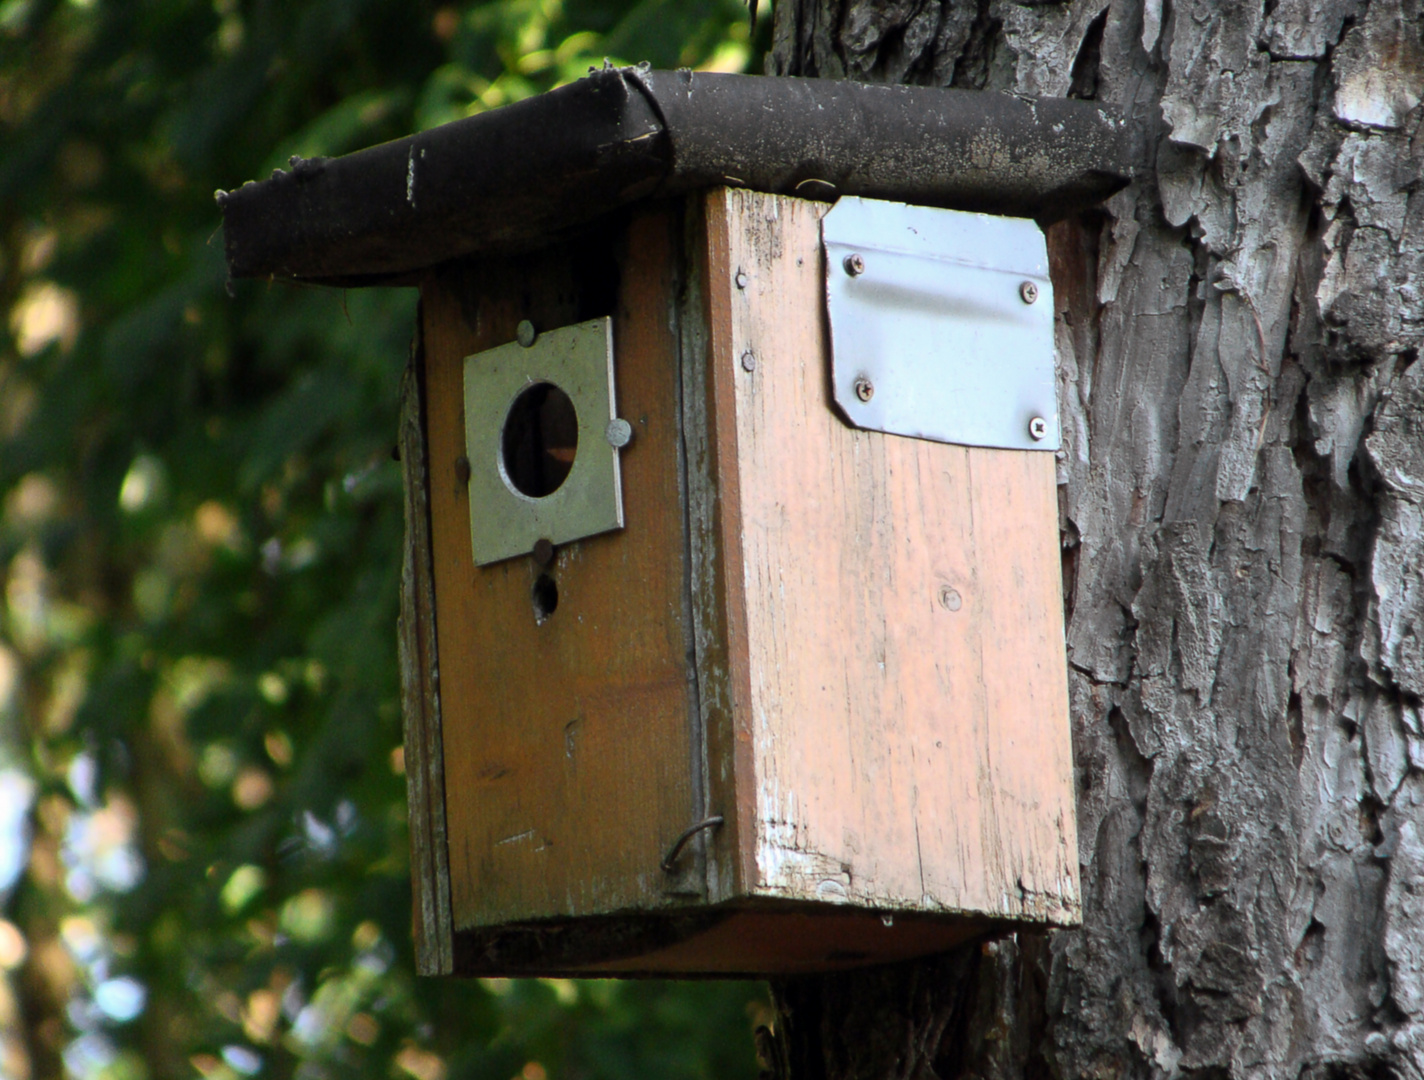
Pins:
<point x="864" y="388"/>
<point x="526" y="333"/>
<point x="741" y="279"/>
<point x="462" y="469"/>
<point x="854" y="265"/>
<point x="1038" y="429"/>
<point x="1029" y="292"/>
<point x="748" y="361"/>
<point x="949" y="598"/>
<point x="543" y="551"/>
<point x="619" y="433"/>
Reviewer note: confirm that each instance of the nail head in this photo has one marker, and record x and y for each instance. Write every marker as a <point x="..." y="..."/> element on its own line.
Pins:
<point x="526" y="334"/>
<point x="619" y="433"/>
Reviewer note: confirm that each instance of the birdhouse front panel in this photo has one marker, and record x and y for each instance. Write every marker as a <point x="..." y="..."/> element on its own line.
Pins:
<point x="564" y="685"/>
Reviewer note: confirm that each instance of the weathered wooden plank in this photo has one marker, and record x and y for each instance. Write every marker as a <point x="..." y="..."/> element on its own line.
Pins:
<point x="901" y="624"/>
<point x="723" y="662"/>
<point x="566" y="745"/>
<point x="420" y="691"/>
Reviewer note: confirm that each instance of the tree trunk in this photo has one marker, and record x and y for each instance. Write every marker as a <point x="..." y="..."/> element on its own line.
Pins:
<point x="1243" y="526"/>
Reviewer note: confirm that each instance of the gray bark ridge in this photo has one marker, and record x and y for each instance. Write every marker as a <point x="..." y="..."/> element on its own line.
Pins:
<point x="1243" y="516"/>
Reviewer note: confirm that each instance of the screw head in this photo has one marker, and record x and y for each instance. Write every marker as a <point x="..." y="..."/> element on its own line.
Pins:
<point x="741" y="279"/>
<point x="619" y="433"/>
<point x="748" y="361"/>
<point x="854" y="265"/>
<point x="543" y="551"/>
<point x="1028" y="291"/>
<point x="949" y="598"/>
<point x="526" y="334"/>
<point x="462" y="469"/>
<point x="864" y="388"/>
<point x="1038" y="429"/>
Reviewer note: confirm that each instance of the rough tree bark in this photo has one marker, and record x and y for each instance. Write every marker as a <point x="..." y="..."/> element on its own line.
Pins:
<point x="1243" y="526"/>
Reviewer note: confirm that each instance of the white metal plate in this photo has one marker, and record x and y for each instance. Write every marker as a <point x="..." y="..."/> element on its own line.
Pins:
<point x="936" y="324"/>
<point x="504" y="522"/>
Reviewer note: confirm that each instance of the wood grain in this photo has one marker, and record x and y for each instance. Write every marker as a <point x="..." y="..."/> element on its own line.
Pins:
<point x="567" y="745"/>
<point x="420" y="692"/>
<point x="715" y="549"/>
<point x="901" y="621"/>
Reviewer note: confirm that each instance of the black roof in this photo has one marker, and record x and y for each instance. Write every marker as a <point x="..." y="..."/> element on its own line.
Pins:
<point x="516" y="177"/>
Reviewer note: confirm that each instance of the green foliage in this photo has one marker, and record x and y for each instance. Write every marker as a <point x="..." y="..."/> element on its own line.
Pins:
<point x="203" y="850"/>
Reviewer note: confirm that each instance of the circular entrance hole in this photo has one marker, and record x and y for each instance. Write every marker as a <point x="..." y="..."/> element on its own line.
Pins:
<point x="540" y="440"/>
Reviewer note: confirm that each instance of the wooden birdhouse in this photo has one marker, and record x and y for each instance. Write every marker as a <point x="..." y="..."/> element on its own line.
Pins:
<point x="732" y="624"/>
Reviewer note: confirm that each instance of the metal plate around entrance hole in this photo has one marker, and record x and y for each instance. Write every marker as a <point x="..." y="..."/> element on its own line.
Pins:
<point x="941" y="324"/>
<point x="504" y="520"/>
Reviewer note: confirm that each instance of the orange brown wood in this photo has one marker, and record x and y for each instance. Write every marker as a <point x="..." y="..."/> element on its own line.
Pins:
<point x="567" y="746"/>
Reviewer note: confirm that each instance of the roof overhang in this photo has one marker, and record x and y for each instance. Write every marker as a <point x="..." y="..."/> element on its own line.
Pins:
<point x="518" y="177"/>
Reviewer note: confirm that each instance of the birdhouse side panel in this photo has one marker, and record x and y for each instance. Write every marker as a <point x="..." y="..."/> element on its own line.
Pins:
<point x="907" y="706"/>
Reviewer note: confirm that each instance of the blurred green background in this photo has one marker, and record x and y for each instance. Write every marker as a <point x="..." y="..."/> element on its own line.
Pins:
<point x="203" y="849"/>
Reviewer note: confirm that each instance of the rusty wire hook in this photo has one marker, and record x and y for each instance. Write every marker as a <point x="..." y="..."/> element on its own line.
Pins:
<point x="669" y="863"/>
